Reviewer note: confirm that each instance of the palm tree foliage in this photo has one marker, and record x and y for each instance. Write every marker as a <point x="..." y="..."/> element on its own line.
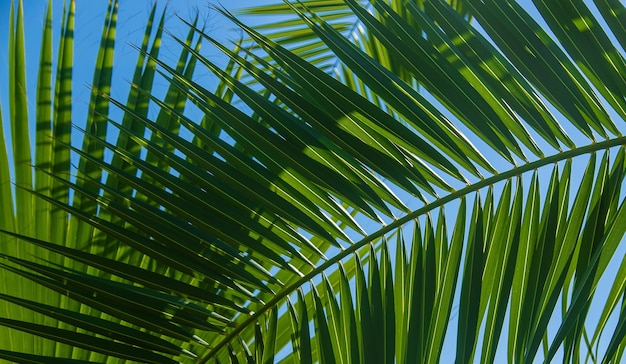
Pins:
<point x="369" y="181"/>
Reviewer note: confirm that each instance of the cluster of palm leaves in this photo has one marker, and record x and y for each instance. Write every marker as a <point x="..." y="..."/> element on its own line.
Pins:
<point x="368" y="182"/>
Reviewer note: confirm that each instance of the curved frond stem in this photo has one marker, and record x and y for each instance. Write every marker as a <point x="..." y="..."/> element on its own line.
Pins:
<point x="517" y="171"/>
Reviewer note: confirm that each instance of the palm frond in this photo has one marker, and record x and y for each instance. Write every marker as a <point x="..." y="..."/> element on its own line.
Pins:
<point x="450" y="190"/>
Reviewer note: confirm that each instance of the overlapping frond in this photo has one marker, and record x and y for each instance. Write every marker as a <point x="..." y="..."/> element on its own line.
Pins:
<point x="450" y="190"/>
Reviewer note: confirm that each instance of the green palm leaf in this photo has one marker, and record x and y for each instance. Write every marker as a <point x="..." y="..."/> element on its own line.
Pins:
<point x="367" y="181"/>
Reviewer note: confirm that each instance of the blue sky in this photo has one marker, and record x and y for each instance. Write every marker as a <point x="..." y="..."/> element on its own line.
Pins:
<point x="90" y="14"/>
<point x="90" y="17"/>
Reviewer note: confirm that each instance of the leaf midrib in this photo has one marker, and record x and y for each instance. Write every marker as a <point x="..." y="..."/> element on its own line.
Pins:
<point x="604" y="145"/>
